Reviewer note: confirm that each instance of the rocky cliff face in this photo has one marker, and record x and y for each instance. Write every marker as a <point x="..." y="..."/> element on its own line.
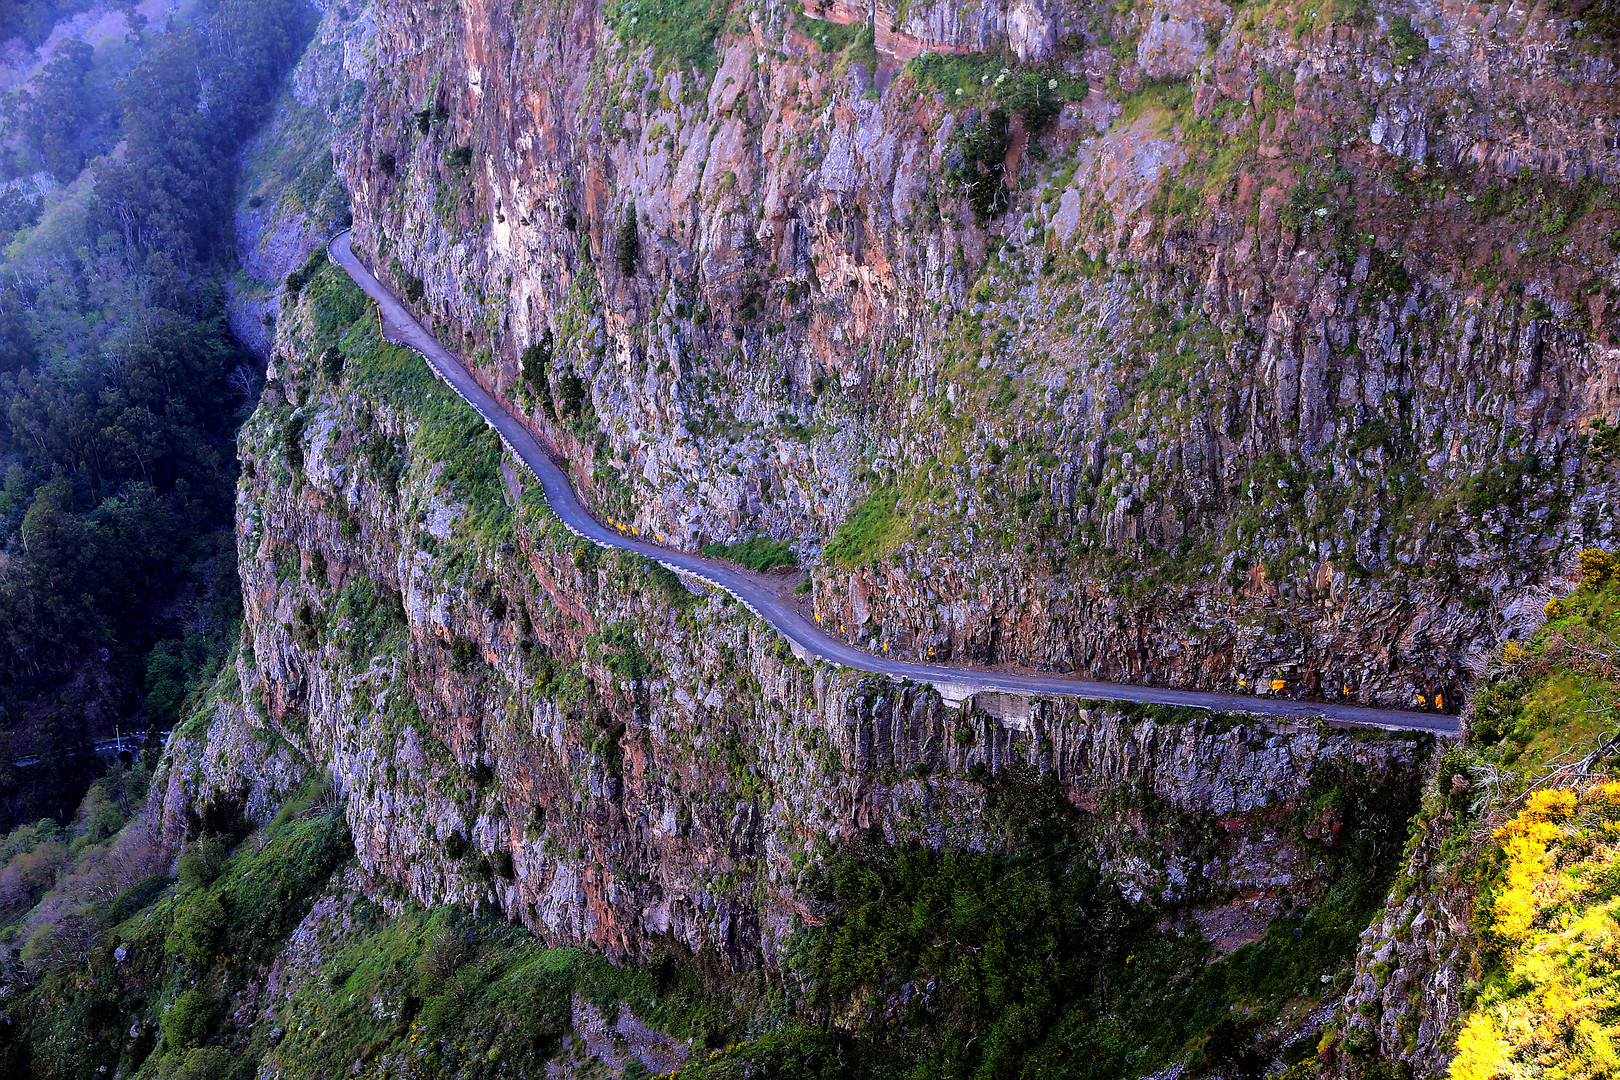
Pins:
<point x="1165" y="341"/>
<point x="1259" y="348"/>
<point x="519" y="719"/>
<point x="1186" y="373"/>
<point x="290" y="197"/>
<point x="1417" y="963"/>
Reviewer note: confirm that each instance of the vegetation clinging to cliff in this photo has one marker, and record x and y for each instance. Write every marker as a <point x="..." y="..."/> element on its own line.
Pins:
<point x="680" y="30"/>
<point x="1549" y="1007"/>
<point x="445" y="428"/>
<point x="1025" y="961"/>
<point x="1535" y="812"/>
<point x="1486" y="962"/>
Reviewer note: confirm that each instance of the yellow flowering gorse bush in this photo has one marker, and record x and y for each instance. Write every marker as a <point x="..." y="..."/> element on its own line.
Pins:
<point x="1552" y="1007"/>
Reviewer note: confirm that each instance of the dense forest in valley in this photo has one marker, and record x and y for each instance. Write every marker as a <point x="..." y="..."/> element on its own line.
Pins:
<point x="120" y="386"/>
<point x="30" y="21"/>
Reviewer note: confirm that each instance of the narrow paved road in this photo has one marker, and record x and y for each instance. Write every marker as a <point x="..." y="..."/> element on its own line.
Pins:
<point x="809" y="641"/>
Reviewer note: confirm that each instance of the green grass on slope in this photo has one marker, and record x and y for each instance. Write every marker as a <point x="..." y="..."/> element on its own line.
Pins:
<point x="681" y="30"/>
<point x="443" y="428"/>
<point x="869" y="528"/>
<point x="446" y="994"/>
<point x="1555" y="696"/>
<point x="165" y="960"/>
<point x="759" y="553"/>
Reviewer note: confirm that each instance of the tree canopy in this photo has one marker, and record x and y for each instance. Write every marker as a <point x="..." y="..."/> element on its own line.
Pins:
<point x="120" y="385"/>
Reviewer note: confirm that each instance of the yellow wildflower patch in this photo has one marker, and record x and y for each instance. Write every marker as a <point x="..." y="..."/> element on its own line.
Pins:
<point x="1545" y="1011"/>
<point x="1478" y="1055"/>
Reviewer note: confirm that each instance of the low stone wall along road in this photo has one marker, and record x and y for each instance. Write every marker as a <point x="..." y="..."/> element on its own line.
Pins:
<point x="808" y="641"/>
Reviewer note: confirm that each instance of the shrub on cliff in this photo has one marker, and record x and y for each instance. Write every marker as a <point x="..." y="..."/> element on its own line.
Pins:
<point x="833" y="38"/>
<point x="1597" y="569"/>
<point x="999" y="953"/>
<point x="337" y="304"/>
<point x="186" y="1022"/>
<point x="442" y="428"/>
<point x="1036" y="94"/>
<point x="451" y="995"/>
<point x="1597" y="21"/>
<point x="332" y="364"/>
<point x="628" y="245"/>
<point x="1409" y="43"/>
<point x="201" y="861"/>
<point x="450" y="946"/>
<point x="370" y="618"/>
<point x="976" y="161"/>
<point x="410" y="286"/>
<point x="429" y="115"/>
<point x="1551" y="913"/>
<point x="204" y="1063"/>
<point x="572" y="393"/>
<point x="623" y="654"/>
<point x="270" y="889"/>
<point x="312" y="265"/>
<point x="535" y="361"/>
<point x="197" y="928"/>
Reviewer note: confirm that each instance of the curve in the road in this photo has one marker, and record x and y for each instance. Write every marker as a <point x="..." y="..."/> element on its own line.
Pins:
<point x="807" y="640"/>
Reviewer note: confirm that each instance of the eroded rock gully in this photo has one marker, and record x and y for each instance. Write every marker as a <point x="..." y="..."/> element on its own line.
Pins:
<point x="1277" y="367"/>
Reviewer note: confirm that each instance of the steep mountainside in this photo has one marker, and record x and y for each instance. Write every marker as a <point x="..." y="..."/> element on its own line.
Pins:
<point x="445" y="705"/>
<point x="1495" y="955"/>
<point x="486" y="685"/>
<point x="1165" y="341"/>
<point x="516" y="719"/>
<point x="1260" y="347"/>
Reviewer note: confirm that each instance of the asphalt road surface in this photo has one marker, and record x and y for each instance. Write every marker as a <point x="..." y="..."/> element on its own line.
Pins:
<point x="806" y="638"/>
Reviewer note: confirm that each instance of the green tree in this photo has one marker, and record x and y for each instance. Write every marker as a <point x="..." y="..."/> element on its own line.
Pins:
<point x="56" y="110"/>
<point x="116" y="417"/>
<point x="535" y="361"/>
<point x="629" y="243"/>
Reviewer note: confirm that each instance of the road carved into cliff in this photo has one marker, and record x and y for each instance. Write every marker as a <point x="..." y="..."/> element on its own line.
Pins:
<point x="809" y="642"/>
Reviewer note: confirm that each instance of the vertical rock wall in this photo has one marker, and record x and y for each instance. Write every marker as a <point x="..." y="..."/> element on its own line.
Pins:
<point x="1277" y="365"/>
<point x="518" y="719"/>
